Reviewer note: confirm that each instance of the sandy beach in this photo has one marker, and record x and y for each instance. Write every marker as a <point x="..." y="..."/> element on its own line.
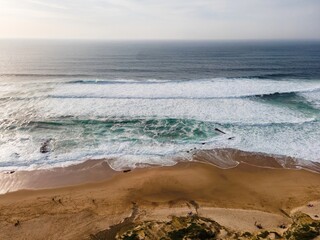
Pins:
<point x="92" y="201"/>
<point x="159" y="120"/>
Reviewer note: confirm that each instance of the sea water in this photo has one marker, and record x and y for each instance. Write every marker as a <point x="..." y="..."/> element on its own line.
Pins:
<point x="150" y="102"/>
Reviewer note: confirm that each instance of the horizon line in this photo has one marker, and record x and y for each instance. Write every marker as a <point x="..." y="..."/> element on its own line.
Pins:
<point x="164" y="39"/>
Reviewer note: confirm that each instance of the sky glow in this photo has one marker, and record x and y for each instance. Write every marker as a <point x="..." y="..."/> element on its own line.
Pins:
<point x="165" y="19"/>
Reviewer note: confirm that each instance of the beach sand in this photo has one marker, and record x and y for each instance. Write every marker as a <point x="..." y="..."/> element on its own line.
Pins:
<point x="242" y="198"/>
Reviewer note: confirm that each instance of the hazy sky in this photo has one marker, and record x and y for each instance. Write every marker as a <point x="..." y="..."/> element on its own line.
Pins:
<point x="160" y="19"/>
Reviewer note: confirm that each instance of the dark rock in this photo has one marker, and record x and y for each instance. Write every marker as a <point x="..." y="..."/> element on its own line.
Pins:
<point x="246" y="234"/>
<point x="190" y="227"/>
<point x="196" y="227"/>
<point x="220" y="131"/>
<point x="282" y="226"/>
<point x="45" y="146"/>
<point x="303" y="227"/>
<point x="264" y="234"/>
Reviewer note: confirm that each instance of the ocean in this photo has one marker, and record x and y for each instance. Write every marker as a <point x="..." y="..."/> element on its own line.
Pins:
<point x="150" y="102"/>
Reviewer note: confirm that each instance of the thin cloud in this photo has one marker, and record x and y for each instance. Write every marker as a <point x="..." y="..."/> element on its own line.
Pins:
<point x="47" y="4"/>
<point x="166" y="19"/>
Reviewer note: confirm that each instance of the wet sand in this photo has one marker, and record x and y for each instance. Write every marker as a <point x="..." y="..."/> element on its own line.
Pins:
<point x="88" y="171"/>
<point x="95" y="170"/>
<point x="237" y="197"/>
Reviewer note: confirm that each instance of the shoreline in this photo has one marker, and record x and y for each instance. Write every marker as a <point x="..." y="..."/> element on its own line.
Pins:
<point x="96" y="170"/>
<point x="237" y="198"/>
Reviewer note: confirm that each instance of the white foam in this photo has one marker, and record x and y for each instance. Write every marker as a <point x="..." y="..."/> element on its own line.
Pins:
<point x="215" y="110"/>
<point x="256" y="125"/>
<point x="130" y="155"/>
<point x="281" y="140"/>
<point x="215" y="88"/>
<point x="312" y="97"/>
<point x="301" y="141"/>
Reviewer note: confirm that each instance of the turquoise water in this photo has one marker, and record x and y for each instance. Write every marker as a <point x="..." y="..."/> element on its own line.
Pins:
<point x="150" y="103"/>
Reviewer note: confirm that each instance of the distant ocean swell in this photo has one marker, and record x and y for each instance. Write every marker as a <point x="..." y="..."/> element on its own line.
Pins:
<point x="154" y="121"/>
<point x="291" y="73"/>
